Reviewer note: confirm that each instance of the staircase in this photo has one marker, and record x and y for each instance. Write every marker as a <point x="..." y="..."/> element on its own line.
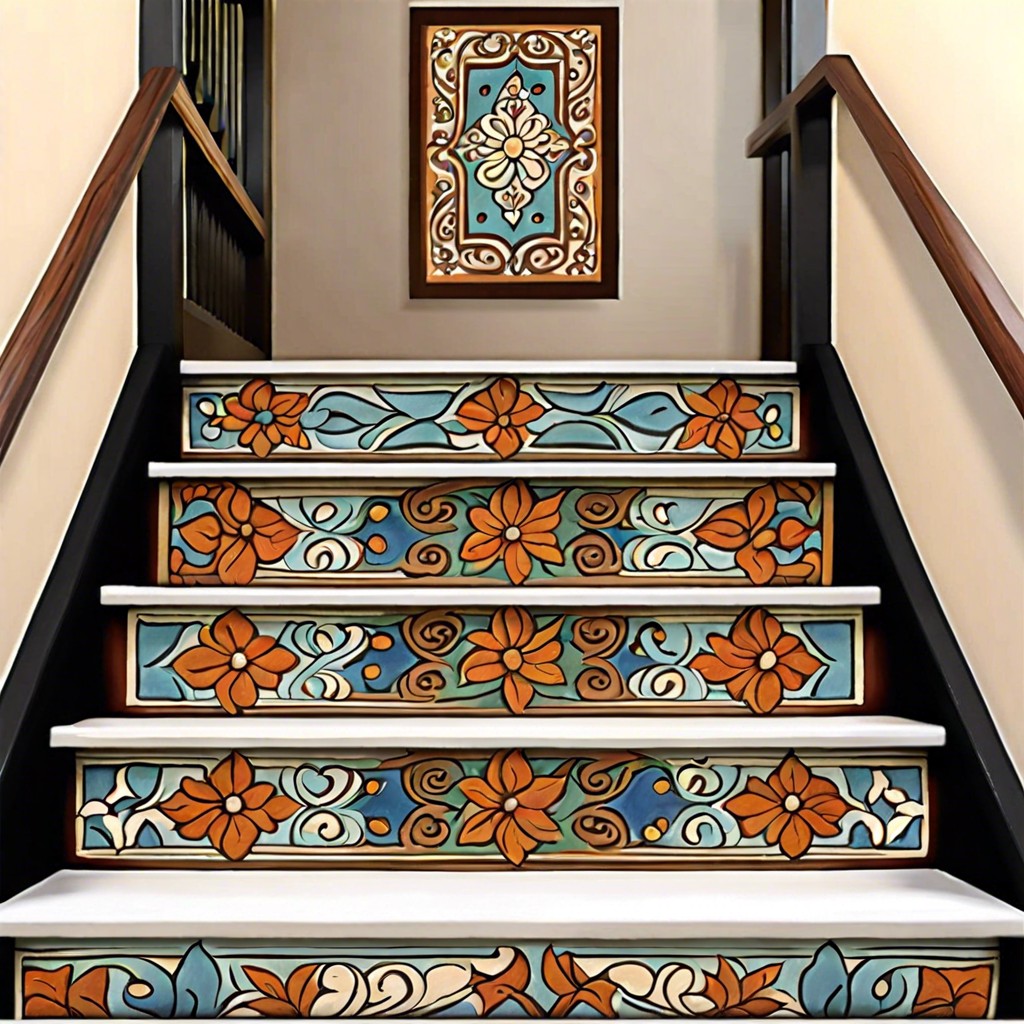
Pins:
<point x="567" y="635"/>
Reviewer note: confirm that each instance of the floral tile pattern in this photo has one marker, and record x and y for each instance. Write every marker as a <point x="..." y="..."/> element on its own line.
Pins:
<point x="841" y="979"/>
<point x="505" y="660"/>
<point x="496" y="417"/>
<point x="713" y="532"/>
<point x="507" y="806"/>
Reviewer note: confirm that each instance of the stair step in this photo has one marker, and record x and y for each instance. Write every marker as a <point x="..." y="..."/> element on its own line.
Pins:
<point x="916" y="904"/>
<point x="640" y="523"/>
<point x="470" y="945"/>
<point x="239" y="369"/>
<point x="621" y="472"/>
<point x="550" y="599"/>
<point x="446" y="792"/>
<point x="869" y="732"/>
<point x="365" y="409"/>
<point x="342" y="652"/>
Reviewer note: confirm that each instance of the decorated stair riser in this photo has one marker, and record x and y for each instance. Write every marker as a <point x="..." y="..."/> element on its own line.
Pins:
<point x="508" y="979"/>
<point x="548" y="809"/>
<point x="700" y="531"/>
<point x="505" y="660"/>
<point x="493" y="416"/>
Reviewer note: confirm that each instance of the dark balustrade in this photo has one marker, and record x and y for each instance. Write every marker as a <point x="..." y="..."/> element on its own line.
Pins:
<point x="210" y="286"/>
<point x="215" y="71"/>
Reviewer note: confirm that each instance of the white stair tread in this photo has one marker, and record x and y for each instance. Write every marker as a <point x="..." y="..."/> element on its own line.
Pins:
<point x="491" y="597"/>
<point x="567" y="470"/>
<point x="913" y="904"/>
<point x="853" y="732"/>
<point x="372" y="368"/>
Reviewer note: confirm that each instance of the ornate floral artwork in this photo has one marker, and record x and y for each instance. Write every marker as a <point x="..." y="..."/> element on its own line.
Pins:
<point x="514" y="118"/>
<point x="494" y="417"/>
<point x="503" y="807"/>
<point x="844" y="979"/>
<point x="705" y="532"/>
<point x="502" y="660"/>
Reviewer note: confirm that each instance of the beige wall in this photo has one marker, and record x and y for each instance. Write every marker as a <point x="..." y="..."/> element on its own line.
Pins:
<point x="951" y="439"/>
<point x="690" y="200"/>
<point x="67" y="74"/>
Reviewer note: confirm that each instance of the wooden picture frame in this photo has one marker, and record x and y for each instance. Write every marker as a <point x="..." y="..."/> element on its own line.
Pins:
<point x="532" y="217"/>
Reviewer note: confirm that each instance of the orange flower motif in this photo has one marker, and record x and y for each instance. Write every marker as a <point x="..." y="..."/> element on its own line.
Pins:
<point x="513" y="807"/>
<point x="235" y="661"/>
<point x="954" y="992"/>
<point x="54" y="994"/>
<point x="516" y="652"/>
<point x="292" y="999"/>
<point x="723" y="417"/>
<point x="743" y="527"/>
<point x="500" y="413"/>
<point x="791" y="808"/>
<point x="574" y="987"/>
<point x="243" y="532"/>
<point x="757" y="661"/>
<point x="266" y="417"/>
<point x="746" y="997"/>
<point x="228" y="808"/>
<point x="510" y="983"/>
<point x="516" y="527"/>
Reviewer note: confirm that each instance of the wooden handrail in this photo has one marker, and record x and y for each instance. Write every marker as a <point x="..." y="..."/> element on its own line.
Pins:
<point x="35" y="336"/>
<point x="195" y="125"/>
<point x="990" y="311"/>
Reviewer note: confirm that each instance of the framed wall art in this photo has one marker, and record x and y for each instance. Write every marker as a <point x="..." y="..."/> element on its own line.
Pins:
<point x="514" y="126"/>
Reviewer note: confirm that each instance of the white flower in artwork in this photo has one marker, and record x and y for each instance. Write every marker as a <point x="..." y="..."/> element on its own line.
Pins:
<point x="516" y="147"/>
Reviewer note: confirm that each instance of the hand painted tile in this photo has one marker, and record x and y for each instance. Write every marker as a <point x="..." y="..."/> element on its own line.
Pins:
<point x="500" y="417"/>
<point x="815" y="979"/>
<point x="502" y="661"/>
<point x="712" y="532"/>
<point x="600" y="809"/>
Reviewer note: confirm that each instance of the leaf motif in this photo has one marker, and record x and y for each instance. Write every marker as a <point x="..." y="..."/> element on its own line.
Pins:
<point x="196" y="984"/>
<point x="583" y="402"/>
<point x="825" y="984"/>
<point x="577" y="435"/>
<point x="654" y="414"/>
<point x="337" y="413"/>
<point x="417" y="405"/>
<point x="421" y="434"/>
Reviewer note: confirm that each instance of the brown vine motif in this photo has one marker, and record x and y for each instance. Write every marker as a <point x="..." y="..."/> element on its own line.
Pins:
<point x="744" y="527"/>
<point x="241" y="534"/>
<point x="757" y="662"/>
<point x="430" y="635"/>
<point x="430" y="510"/>
<point x="433" y="784"/>
<point x="791" y="808"/>
<point x="599" y="510"/>
<point x="597" y="638"/>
